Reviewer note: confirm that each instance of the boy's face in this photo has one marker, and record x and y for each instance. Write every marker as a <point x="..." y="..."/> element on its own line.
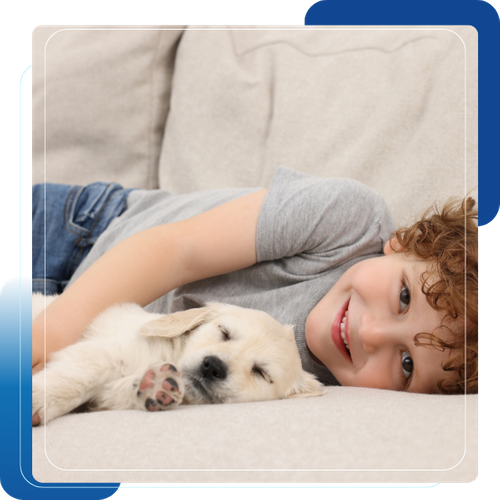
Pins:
<point x="378" y="306"/>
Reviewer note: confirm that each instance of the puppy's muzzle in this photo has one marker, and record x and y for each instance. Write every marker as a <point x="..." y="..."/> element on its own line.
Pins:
<point x="213" y="369"/>
<point x="203" y="382"/>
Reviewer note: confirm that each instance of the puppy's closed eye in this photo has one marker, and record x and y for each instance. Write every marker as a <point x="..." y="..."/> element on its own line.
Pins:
<point x="225" y="334"/>
<point x="259" y="372"/>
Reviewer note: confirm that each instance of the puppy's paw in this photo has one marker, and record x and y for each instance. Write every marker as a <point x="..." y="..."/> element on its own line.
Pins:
<point x="161" y="388"/>
<point x="37" y="403"/>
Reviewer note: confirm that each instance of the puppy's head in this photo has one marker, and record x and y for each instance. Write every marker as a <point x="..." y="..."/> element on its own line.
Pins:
<point x="236" y="355"/>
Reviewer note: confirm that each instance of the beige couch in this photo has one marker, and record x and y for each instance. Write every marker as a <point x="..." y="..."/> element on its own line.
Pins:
<point x="199" y="108"/>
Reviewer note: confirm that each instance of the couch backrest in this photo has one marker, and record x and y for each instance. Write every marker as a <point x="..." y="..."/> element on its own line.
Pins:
<point x="395" y="108"/>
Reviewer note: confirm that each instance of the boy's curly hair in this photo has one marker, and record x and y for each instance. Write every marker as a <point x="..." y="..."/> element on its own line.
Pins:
<point x="447" y="238"/>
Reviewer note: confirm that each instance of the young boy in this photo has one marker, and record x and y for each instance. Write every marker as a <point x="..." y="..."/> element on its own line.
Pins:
<point x="368" y="310"/>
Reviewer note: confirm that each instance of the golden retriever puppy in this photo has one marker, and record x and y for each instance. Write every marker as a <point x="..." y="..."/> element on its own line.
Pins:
<point x="129" y="358"/>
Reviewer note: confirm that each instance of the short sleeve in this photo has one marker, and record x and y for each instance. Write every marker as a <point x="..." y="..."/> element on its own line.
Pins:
<point x="317" y="223"/>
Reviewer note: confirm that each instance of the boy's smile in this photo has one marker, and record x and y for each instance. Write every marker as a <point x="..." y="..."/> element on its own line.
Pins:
<point x="363" y="329"/>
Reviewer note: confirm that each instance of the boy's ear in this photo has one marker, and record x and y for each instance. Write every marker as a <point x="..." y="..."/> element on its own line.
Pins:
<point x="392" y="246"/>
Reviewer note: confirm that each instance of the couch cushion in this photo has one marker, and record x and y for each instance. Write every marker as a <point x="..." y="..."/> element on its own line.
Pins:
<point x="348" y="435"/>
<point x="100" y="100"/>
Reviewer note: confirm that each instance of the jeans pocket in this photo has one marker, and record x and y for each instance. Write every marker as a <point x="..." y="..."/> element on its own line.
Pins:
<point x="85" y="205"/>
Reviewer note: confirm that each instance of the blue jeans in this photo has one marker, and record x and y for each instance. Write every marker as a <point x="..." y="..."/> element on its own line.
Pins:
<point x="66" y="222"/>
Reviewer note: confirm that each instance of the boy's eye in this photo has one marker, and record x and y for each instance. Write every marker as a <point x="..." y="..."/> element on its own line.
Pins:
<point x="406" y="364"/>
<point x="404" y="298"/>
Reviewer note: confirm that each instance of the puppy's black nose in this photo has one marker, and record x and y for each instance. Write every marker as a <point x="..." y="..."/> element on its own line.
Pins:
<point x="213" y="368"/>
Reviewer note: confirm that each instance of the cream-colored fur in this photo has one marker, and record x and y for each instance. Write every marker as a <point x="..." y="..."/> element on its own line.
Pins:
<point x="129" y="358"/>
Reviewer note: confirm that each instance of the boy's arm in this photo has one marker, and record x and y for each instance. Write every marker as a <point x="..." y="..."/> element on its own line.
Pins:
<point x="149" y="264"/>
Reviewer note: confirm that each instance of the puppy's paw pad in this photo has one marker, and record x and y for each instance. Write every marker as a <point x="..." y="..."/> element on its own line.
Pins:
<point x="148" y="380"/>
<point x="161" y="388"/>
<point x="151" y="405"/>
<point x="170" y="385"/>
<point x="36" y="419"/>
<point x="37" y="404"/>
<point x="164" y="398"/>
<point x="168" y="367"/>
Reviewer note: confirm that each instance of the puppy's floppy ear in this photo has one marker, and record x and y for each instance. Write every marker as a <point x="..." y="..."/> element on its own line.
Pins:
<point x="306" y="386"/>
<point x="175" y="324"/>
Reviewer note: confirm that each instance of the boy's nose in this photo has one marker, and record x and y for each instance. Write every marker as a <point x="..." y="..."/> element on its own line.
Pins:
<point x="375" y="332"/>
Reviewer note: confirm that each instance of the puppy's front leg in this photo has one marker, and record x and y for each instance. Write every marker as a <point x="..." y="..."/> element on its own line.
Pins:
<point x="74" y="376"/>
<point x="54" y="394"/>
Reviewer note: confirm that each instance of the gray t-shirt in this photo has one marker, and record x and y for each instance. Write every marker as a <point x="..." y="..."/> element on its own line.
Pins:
<point x="310" y="231"/>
